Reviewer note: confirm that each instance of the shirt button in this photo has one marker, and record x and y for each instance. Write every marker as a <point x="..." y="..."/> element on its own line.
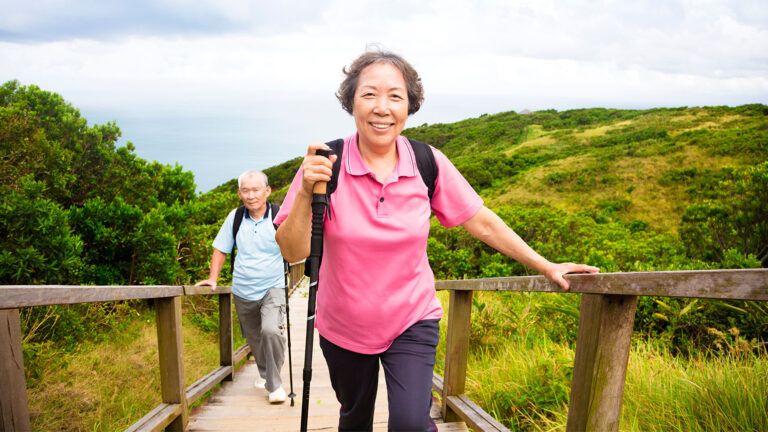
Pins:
<point x="381" y="199"/>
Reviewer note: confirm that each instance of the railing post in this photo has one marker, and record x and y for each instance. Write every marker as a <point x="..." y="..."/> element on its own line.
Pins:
<point x="456" y="349"/>
<point x="225" y="334"/>
<point x="14" y="414"/>
<point x="296" y="273"/>
<point x="170" y="349"/>
<point x="602" y="353"/>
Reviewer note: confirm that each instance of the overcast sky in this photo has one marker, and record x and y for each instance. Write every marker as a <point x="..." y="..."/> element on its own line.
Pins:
<point x="283" y="59"/>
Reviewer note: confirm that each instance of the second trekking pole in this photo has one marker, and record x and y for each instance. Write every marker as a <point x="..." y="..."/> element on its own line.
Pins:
<point x="319" y="204"/>
<point x="286" y="270"/>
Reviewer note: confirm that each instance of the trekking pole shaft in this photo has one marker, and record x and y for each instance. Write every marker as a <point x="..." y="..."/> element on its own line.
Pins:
<point x="319" y="203"/>
<point x="291" y="395"/>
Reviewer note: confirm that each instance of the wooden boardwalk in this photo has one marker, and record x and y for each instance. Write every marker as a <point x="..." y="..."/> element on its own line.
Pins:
<point x="239" y="406"/>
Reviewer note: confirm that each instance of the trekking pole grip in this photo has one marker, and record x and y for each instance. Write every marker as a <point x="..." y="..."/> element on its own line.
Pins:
<point x="320" y="187"/>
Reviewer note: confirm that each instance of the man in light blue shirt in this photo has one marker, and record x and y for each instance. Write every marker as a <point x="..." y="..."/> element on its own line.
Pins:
<point x="258" y="282"/>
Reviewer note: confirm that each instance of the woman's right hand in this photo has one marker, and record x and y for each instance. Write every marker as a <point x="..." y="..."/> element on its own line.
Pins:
<point x="316" y="168"/>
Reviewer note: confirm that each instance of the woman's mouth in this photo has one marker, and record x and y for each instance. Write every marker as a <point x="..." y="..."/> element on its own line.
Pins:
<point x="380" y="126"/>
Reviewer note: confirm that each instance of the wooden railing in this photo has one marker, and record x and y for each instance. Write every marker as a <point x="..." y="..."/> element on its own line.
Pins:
<point x="172" y="413"/>
<point x="608" y="303"/>
<point x="607" y="314"/>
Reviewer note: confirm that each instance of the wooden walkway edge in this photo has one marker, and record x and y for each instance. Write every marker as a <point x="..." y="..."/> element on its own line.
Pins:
<point x="239" y="406"/>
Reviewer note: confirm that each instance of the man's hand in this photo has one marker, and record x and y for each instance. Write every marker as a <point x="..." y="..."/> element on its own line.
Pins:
<point x="208" y="282"/>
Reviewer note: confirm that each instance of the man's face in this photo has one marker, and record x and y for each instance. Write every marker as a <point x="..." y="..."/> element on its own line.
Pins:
<point x="253" y="193"/>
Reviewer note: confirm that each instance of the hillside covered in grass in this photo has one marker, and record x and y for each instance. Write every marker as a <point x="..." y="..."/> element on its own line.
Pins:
<point x="648" y="165"/>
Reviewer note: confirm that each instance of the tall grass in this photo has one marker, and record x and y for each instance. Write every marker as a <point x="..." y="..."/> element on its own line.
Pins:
<point x="106" y="386"/>
<point x="522" y="377"/>
<point x="699" y="393"/>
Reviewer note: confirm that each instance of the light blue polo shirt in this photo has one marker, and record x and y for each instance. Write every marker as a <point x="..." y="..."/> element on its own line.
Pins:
<point x="258" y="263"/>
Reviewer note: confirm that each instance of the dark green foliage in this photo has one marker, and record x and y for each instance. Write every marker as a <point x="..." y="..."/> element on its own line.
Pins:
<point x="38" y="245"/>
<point x="599" y="239"/>
<point x="729" y="215"/>
<point x="77" y="210"/>
<point x="629" y="136"/>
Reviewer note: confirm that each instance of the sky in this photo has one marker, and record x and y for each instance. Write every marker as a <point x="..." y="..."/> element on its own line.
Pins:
<point x="220" y="86"/>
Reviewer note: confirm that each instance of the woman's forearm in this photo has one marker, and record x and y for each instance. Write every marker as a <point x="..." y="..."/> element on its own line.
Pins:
<point x="489" y="228"/>
<point x="294" y="233"/>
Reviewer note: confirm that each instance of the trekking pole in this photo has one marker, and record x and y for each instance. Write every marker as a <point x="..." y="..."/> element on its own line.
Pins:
<point x="286" y="268"/>
<point x="319" y="203"/>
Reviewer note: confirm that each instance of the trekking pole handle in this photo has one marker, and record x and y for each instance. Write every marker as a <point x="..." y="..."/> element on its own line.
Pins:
<point x="319" y="187"/>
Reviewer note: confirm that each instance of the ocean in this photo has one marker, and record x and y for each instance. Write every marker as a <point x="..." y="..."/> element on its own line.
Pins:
<point x="218" y="144"/>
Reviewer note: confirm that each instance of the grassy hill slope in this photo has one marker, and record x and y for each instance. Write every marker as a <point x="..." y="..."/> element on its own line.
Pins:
<point x="640" y="163"/>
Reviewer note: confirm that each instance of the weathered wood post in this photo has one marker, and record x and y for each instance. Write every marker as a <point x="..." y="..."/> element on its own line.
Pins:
<point x="226" y="357"/>
<point x="296" y="274"/>
<point x="602" y="353"/>
<point x="170" y="348"/>
<point x="14" y="414"/>
<point x="456" y="349"/>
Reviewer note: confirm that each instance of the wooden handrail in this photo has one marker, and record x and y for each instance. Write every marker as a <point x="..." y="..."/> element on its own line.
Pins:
<point x="607" y="313"/>
<point x="172" y="413"/>
<point x="606" y="317"/>
<point x="747" y="284"/>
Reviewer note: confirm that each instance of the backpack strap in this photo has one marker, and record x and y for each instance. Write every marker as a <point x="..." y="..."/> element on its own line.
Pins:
<point x="425" y="161"/>
<point x="337" y="148"/>
<point x="239" y="213"/>
<point x="274" y="208"/>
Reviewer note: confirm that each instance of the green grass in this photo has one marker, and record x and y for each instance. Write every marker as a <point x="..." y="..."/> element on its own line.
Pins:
<point x="520" y="374"/>
<point x="106" y="386"/>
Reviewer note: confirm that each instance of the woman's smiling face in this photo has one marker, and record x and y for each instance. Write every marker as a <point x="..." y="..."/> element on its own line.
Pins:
<point x="381" y="105"/>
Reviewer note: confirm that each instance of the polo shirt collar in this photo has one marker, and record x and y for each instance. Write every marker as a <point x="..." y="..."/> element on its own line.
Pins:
<point x="248" y="213"/>
<point x="406" y="161"/>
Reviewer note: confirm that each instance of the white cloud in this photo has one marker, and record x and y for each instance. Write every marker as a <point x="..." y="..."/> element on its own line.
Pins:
<point x="280" y="60"/>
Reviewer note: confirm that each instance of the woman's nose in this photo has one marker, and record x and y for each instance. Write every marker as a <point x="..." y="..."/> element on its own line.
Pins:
<point x="381" y="106"/>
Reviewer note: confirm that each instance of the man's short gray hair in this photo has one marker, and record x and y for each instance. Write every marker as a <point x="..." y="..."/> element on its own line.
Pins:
<point x="252" y="173"/>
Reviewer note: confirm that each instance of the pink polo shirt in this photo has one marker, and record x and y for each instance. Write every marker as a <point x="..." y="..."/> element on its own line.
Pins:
<point x="375" y="279"/>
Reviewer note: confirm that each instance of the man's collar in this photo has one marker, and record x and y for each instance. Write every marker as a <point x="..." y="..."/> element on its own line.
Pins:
<point x="266" y="212"/>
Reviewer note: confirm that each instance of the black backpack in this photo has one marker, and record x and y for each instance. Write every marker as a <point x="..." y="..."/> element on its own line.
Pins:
<point x="239" y="213"/>
<point x="425" y="161"/>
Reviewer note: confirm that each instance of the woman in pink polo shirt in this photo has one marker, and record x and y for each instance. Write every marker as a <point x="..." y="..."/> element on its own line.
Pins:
<point x="376" y="301"/>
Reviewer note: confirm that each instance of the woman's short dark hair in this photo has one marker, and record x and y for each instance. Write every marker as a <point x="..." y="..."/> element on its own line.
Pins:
<point x="346" y="92"/>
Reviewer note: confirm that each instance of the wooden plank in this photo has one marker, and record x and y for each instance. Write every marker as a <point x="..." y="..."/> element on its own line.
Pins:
<point x="602" y="353"/>
<point x="437" y="383"/>
<point x="742" y="284"/>
<point x="586" y="349"/>
<point x="192" y="290"/>
<point x="157" y="419"/>
<point x="225" y="333"/>
<point x="240" y="354"/>
<point x="14" y="413"/>
<point x="474" y="416"/>
<point x="170" y="349"/>
<point x="199" y="387"/>
<point x="296" y="274"/>
<point x="747" y="284"/>
<point x="457" y="348"/>
<point x="13" y="296"/>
